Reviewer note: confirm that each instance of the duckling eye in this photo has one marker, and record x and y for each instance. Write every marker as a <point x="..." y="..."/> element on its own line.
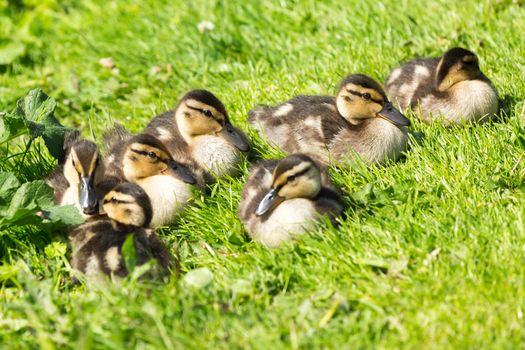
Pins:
<point x="152" y="155"/>
<point x="207" y="113"/>
<point x="114" y="200"/>
<point x="366" y="96"/>
<point x="291" y="178"/>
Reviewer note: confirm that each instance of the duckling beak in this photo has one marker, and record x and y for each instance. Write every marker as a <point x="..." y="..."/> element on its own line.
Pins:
<point x="390" y="113"/>
<point x="269" y="202"/>
<point x="181" y="172"/>
<point x="88" y="196"/>
<point x="233" y="136"/>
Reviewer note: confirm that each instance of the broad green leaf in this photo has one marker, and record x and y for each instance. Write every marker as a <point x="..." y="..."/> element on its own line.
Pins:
<point x="35" y="106"/>
<point x="129" y="253"/>
<point x="8" y="185"/>
<point x="26" y="202"/>
<point x="67" y="214"/>
<point x="36" y="111"/>
<point x="11" y="51"/>
<point x="11" y="126"/>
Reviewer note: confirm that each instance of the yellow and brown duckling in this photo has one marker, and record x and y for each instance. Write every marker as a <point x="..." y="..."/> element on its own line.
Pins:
<point x="359" y="120"/>
<point x="200" y="127"/>
<point x="451" y="87"/>
<point x="97" y="244"/>
<point x="284" y="198"/>
<point x="144" y="160"/>
<point x="76" y="179"/>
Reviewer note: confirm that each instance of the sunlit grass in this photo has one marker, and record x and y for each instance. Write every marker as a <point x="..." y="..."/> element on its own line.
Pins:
<point x="429" y="254"/>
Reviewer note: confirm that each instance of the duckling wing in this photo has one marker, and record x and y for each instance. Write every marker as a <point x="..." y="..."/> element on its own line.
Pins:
<point x="164" y="127"/>
<point x="328" y="202"/>
<point x="305" y="124"/>
<point x="115" y="140"/>
<point x="408" y="83"/>
<point x="115" y="136"/>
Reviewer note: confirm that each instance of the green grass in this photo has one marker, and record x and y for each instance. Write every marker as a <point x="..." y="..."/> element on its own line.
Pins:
<point x="430" y="253"/>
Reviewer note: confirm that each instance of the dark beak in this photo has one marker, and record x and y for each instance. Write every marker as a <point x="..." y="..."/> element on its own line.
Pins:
<point x="88" y="196"/>
<point x="181" y="172"/>
<point x="390" y="113"/>
<point x="235" y="137"/>
<point x="269" y="202"/>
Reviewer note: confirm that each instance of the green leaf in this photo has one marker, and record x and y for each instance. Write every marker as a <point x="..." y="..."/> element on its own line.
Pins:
<point x="26" y="202"/>
<point x="11" y="51"/>
<point x="8" y="185"/>
<point x="67" y="214"/>
<point x="36" y="110"/>
<point x="35" y="106"/>
<point x="129" y="253"/>
<point x="11" y="126"/>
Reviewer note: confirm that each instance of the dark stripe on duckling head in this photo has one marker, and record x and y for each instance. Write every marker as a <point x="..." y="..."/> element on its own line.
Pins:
<point x="289" y="163"/>
<point x="205" y="97"/>
<point x="451" y="58"/>
<point x="363" y="81"/>
<point x="148" y="140"/>
<point x="87" y="156"/>
<point x="140" y="196"/>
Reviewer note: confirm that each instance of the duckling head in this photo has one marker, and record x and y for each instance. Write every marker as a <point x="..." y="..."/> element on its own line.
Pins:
<point x="456" y="65"/>
<point x="146" y="156"/>
<point x="200" y="113"/>
<point x="296" y="176"/>
<point x="361" y="97"/>
<point x="84" y="168"/>
<point x="128" y="204"/>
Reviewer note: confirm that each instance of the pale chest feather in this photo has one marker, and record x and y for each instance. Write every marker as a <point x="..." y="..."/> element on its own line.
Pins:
<point x="168" y="196"/>
<point x="215" y="155"/>
<point x="468" y="100"/>
<point x="291" y="218"/>
<point x="70" y="196"/>
<point x="378" y="142"/>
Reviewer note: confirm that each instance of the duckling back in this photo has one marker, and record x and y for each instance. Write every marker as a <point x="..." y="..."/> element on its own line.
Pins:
<point x="97" y="247"/>
<point x="304" y="124"/>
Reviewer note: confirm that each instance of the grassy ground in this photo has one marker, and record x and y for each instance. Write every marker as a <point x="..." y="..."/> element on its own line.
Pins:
<point x="430" y="254"/>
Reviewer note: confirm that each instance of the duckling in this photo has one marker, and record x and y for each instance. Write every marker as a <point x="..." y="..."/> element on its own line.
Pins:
<point x="199" y="126"/>
<point x="97" y="244"/>
<point x="359" y="120"/>
<point x="144" y="160"/>
<point x="76" y="179"/>
<point x="451" y="86"/>
<point x="283" y="199"/>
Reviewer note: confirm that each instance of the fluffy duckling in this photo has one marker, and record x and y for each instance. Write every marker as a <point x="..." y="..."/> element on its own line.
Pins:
<point x="199" y="126"/>
<point x="97" y="244"/>
<point x="144" y="160"/>
<point x="451" y="86"/>
<point x="76" y="179"/>
<point x="359" y="120"/>
<point x="284" y="198"/>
